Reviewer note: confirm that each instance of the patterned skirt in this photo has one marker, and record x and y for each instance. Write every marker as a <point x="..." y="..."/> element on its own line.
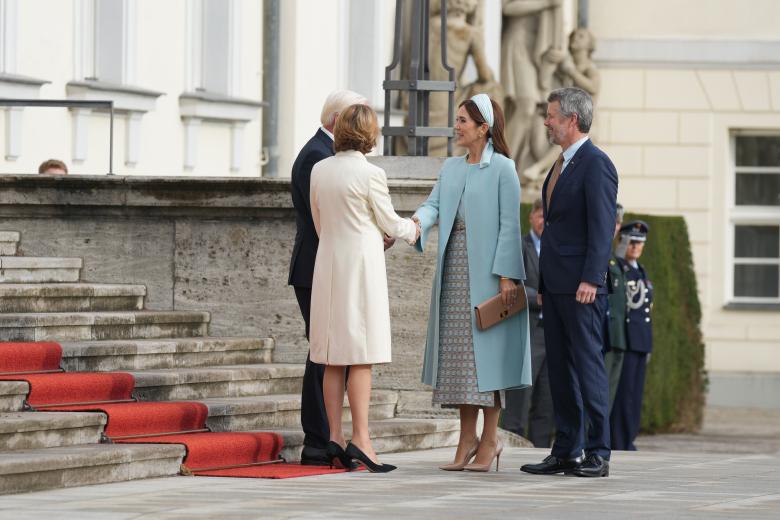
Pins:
<point x="456" y="381"/>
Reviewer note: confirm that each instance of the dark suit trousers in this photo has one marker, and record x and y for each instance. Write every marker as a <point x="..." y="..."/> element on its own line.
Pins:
<point x="314" y="420"/>
<point x="529" y="412"/>
<point x="627" y="410"/>
<point x="573" y="335"/>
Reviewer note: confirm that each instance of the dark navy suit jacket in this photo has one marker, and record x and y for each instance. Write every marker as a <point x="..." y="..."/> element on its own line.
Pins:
<point x="579" y="224"/>
<point x="304" y="252"/>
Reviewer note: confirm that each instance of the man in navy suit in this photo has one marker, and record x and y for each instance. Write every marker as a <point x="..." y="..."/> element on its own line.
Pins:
<point x="580" y="195"/>
<point x="314" y="421"/>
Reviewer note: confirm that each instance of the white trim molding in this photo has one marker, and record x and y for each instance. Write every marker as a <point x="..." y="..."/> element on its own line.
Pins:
<point x="133" y="102"/>
<point x="688" y="53"/>
<point x="20" y="87"/>
<point x="198" y="106"/>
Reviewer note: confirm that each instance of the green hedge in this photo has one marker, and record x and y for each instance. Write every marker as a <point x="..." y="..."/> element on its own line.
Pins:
<point x="676" y="381"/>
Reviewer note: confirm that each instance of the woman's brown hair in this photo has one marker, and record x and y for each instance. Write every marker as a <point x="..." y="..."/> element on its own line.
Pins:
<point x="497" y="132"/>
<point x="356" y="129"/>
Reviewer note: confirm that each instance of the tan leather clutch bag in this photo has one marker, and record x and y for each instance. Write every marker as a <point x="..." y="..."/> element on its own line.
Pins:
<point x="492" y="311"/>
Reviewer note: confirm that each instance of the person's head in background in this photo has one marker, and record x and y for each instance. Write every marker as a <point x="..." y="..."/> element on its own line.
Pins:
<point x="619" y="212"/>
<point x="53" y="167"/>
<point x="335" y="103"/>
<point x="536" y="218"/>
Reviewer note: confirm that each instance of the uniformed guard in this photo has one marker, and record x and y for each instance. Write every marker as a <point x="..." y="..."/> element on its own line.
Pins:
<point x="616" y="313"/>
<point x="627" y="408"/>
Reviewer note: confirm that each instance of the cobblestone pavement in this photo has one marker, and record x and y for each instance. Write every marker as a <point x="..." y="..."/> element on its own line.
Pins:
<point x="729" y="470"/>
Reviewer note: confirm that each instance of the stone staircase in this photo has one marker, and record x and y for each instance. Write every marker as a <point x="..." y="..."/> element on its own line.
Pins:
<point x="104" y="327"/>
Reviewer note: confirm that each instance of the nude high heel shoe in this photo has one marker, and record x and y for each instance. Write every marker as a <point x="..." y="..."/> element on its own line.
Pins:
<point x="484" y="468"/>
<point x="458" y="466"/>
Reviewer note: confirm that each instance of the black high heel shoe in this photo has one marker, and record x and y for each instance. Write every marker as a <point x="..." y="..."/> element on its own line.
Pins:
<point x="338" y="457"/>
<point x="353" y="452"/>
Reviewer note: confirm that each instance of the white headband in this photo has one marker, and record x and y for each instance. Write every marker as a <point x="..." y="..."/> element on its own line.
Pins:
<point x="485" y="107"/>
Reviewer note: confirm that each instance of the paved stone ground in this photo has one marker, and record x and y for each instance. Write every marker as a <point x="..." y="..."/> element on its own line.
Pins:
<point x="694" y="477"/>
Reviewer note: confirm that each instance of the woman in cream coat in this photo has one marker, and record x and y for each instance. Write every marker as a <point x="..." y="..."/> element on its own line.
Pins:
<point x="350" y="311"/>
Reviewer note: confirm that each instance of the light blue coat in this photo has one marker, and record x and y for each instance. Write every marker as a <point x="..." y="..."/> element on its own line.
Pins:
<point x="491" y="198"/>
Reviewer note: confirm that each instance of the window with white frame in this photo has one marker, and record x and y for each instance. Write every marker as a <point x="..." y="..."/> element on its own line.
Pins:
<point x="105" y="41"/>
<point x="756" y="218"/>
<point x="213" y="59"/>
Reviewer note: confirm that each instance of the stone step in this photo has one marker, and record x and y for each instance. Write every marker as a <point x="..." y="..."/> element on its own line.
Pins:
<point x="36" y="430"/>
<point x="79" y="326"/>
<point x="12" y="395"/>
<point x="225" y="381"/>
<point x="280" y="411"/>
<point x="71" y="297"/>
<point x="49" y="468"/>
<point x="389" y="435"/>
<point x="33" y="269"/>
<point x="144" y="354"/>
<point x="9" y="240"/>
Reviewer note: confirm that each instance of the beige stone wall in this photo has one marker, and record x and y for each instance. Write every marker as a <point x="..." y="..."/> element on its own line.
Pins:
<point x="668" y="132"/>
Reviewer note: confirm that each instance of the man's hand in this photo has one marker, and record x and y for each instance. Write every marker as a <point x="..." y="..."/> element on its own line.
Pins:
<point x="389" y="241"/>
<point x="539" y="299"/>
<point x="586" y="293"/>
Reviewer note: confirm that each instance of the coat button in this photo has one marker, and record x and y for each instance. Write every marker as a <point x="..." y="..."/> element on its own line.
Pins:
<point x="647" y="320"/>
<point x="647" y="300"/>
<point x="647" y="310"/>
<point x="628" y="320"/>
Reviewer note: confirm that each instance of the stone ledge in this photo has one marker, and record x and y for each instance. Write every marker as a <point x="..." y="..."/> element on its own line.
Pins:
<point x="65" y="290"/>
<point x="60" y="195"/>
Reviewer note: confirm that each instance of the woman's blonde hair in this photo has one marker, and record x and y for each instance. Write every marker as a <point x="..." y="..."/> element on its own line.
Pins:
<point x="356" y="129"/>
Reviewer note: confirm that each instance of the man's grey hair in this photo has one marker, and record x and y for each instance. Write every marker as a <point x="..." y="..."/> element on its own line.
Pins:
<point x="574" y="100"/>
<point x="336" y="102"/>
<point x="619" y="212"/>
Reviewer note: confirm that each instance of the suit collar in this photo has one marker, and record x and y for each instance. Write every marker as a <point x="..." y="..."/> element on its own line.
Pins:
<point x="324" y="138"/>
<point x="575" y="161"/>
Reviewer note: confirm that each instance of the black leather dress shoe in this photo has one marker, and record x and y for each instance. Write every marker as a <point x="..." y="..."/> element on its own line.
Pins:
<point x="311" y="456"/>
<point x="552" y="465"/>
<point x="593" y="466"/>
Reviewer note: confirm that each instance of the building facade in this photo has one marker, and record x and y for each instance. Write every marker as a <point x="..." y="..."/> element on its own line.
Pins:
<point x="185" y="77"/>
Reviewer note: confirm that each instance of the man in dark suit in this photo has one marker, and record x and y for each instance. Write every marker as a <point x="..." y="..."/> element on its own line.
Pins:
<point x="314" y="421"/>
<point x="580" y="194"/>
<point x="529" y="412"/>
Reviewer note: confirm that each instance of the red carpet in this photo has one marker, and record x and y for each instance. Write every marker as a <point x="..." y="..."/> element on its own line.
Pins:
<point x="76" y="387"/>
<point x="219" y="449"/>
<point x="30" y="357"/>
<point x="272" y="471"/>
<point x="146" y="418"/>
<point x="224" y="454"/>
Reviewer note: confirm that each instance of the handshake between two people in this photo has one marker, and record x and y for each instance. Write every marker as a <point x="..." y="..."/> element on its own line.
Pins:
<point x="389" y="241"/>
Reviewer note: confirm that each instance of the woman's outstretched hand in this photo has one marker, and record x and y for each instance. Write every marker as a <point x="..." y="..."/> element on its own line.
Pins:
<point x="508" y="289"/>
<point x="419" y="229"/>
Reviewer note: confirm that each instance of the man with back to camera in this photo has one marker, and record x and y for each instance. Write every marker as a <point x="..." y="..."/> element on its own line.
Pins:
<point x="580" y="197"/>
<point x="314" y="421"/>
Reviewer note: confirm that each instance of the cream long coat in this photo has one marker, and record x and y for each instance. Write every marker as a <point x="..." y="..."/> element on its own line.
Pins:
<point x="350" y="310"/>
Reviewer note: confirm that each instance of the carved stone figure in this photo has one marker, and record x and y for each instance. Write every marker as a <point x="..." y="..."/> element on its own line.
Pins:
<point x="575" y="69"/>
<point x="531" y="49"/>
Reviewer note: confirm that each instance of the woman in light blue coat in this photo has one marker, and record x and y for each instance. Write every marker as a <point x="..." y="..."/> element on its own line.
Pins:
<point x="476" y="203"/>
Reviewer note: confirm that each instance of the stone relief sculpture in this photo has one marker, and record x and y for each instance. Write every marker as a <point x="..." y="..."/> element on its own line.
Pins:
<point x="531" y="51"/>
<point x="575" y="69"/>
<point x="533" y="63"/>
